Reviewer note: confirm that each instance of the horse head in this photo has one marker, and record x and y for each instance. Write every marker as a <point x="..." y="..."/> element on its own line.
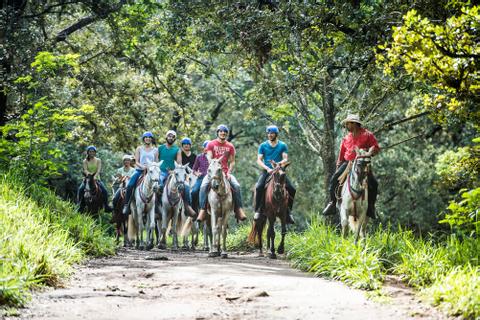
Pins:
<point x="153" y="174"/>
<point x="180" y="173"/>
<point x="361" y="164"/>
<point x="279" y="178"/>
<point x="215" y="173"/>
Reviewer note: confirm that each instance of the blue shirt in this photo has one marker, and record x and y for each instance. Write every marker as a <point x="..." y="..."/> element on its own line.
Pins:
<point x="272" y="153"/>
<point x="168" y="155"/>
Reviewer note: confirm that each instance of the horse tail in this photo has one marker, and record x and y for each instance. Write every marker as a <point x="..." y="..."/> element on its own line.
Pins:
<point x="187" y="227"/>
<point x="132" y="228"/>
<point x="252" y="236"/>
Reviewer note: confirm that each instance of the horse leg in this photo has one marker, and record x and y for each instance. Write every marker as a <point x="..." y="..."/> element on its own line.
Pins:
<point x="260" y="224"/>
<point x="174" y="229"/>
<point x="206" y="237"/>
<point x="215" y="235"/>
<point x="150" y="227"/>
<point x="117" y="238"/>
<point x="344" y="221"/>
<point x="125" y="233"/>
<point x="281" y="247"/>
<point x="271" y="238"/>
<point x="224" y="236"/>
<point x="163" y="240"/>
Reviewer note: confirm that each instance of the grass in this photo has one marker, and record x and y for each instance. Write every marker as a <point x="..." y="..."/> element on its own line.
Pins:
<point x="445" y="270"/>
<point x="41" y="238"/>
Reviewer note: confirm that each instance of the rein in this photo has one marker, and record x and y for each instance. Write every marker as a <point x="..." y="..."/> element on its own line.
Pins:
<point x="352" y="191"/>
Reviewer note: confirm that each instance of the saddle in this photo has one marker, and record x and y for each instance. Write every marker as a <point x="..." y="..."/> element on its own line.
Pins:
<point x="341" y="181"/>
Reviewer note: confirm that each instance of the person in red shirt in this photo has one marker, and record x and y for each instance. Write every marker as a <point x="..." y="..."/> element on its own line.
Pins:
<point x="215" y="150"/>
<point x="363" y="139"/>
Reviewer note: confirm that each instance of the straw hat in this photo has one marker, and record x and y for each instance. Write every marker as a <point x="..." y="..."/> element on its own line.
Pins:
<point x="352" y="118"/>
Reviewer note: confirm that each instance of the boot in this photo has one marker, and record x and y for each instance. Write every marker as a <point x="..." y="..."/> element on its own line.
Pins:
<point x="201" y="215"/>
<point x="257" y="216"/>
<point x="290" y="218"/>
<point x="371" y="211"/>
<point x="126" y="208"/>
<point x="190" y="212"/>
<point x="239" y="214"/>
<point x="330" y="209"/>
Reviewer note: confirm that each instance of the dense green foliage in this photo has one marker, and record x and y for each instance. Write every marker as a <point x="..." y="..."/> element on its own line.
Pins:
<point x="42" y="237"/>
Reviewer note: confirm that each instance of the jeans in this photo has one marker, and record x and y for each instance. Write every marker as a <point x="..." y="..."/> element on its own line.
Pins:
<point x="260" y="192"/>
<point x="131" y="184"/>
<point x="195" y="193"/>
<point x="237" y="194"/>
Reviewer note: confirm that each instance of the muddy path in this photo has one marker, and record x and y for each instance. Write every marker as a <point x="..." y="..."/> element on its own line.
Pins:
<point x="184" y="285"/>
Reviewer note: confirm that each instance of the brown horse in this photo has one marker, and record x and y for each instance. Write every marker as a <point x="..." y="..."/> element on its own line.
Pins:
<point x="93" y="197"/>
<point x="276" y="206"/>
<point x="118" y="217"/>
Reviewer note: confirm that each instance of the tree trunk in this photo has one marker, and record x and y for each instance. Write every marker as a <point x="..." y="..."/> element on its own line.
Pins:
<point x="328" y="144"/>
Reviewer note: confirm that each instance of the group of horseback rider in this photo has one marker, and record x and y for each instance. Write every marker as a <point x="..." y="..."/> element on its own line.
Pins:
<point x="270" y="151"/>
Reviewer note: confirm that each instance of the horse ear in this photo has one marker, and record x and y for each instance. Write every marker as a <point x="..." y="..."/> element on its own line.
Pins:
<point x="286" y="164"/>
<point x="176" y="164"/>
<point x="189" y="170"/>
<point x="160" y="163"/>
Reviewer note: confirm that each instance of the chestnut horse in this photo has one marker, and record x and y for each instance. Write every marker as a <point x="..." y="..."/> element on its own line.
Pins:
<point x="276" y="206"/>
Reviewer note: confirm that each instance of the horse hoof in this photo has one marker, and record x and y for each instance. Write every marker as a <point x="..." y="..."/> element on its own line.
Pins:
<point x="272" y="256"/>
<point x="175" y="249"/>
<point x="261" y="255"/>
<point x="162" y="246"/>
<point x="141" y="247"/>
<point x="281" y="250"/>
<point x="224" y="255"/>
<point x="206" y="249"/>
<point x="213" y="254"/>
<point x="150" y="247"/>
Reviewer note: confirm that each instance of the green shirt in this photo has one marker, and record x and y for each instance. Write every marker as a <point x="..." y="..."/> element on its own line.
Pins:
<point x="168" y="155"/>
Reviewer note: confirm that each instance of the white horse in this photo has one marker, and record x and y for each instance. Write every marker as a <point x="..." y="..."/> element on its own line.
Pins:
<point x="354" y="204"/>
<point x="221" y="205"/>
<point x="143" y="206"/>
<point x="172" y="202"/>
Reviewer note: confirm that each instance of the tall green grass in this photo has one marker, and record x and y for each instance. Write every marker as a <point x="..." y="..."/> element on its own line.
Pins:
<point x="41" y="237"/>
<point x="445" y="269"/>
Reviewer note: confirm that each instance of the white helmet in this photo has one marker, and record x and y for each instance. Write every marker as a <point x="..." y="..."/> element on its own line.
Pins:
<point x="172" y="133"/>
<point x="127" y="157"/>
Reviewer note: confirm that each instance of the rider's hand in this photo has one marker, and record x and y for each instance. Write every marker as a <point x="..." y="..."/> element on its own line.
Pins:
<point x="269" y="170"/>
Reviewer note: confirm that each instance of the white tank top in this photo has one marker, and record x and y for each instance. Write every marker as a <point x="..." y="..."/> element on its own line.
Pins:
<point x="147" y="156"/>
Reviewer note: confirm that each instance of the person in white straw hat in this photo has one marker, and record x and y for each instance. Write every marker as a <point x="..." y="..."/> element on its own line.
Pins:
<point x="357" y="137"/>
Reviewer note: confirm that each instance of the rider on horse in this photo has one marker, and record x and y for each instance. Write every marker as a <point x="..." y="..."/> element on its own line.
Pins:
<point x="143" y="155"/>
<point x="169" y="154"/>
<point x="200" y="169"/>
<point x="188" y="157"/>
<point x="215" y="150"/>
<point x="361" y="138"/>
<point x="93" y="166"/>
<point x="125" y="171"/>
<point x="277" y="151"/>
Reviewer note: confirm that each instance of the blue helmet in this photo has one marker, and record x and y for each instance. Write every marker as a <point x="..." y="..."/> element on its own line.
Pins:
<point x="186" y="141"/>
<point x="272" y="129"/>
<point x="205" y="143"/>
<point x="91" y="148"/>
<point x="147" y="134"/>
<point x="222" y="127"/>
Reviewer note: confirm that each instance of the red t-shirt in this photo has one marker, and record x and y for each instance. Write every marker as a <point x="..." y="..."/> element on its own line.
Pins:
<point x="364" y="140"/>
<point x="218" y="149"/>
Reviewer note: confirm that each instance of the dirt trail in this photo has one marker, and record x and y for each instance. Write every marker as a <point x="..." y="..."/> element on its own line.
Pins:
<point x="164" y="285"/>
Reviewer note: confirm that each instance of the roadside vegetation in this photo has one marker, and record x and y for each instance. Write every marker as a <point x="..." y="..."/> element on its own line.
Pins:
<point x="42" y="237"/>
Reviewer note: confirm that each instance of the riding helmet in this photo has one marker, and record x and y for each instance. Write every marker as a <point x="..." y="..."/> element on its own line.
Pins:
<point x="91" y="148"/>
<point x="147" y="134"/>
<point x="222" y="127"/>
<point x="205" y="143"/>
<point x="186" y="141"/>
<point x="272" y="129"/>
<point x="173" y="133"/>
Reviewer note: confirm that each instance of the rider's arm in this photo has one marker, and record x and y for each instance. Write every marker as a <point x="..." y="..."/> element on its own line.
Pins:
<point x="99" y="168"/>
<point x="209" y="155"/>
<point x="261" y="164"/>
<point x="85" y="169"/>
<point x="374" y="149"/>
<point x="232" y="163"/>
<point x="179" y="156"/>
<point x="284" y="158"/>
<point x="137" y="159"/>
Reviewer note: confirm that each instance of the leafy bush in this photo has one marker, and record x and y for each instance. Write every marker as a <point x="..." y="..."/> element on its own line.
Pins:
<point x="41" y="237"/>
<point x="457" y="292"/>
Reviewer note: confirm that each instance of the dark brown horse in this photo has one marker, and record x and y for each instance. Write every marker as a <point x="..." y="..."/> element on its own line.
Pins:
<point x="92" y="196"/>
<point x="118" y="217"/>
<point x="276" y="206"/>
